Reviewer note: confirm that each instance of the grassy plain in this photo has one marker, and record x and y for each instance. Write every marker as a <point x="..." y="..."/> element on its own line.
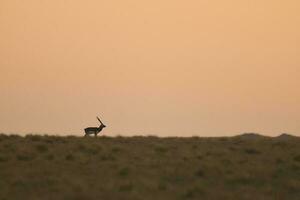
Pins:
<point x="132" y="168"/>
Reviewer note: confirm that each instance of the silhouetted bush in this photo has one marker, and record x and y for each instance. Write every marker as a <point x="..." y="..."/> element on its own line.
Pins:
<point x="34" y="138"/>
<point x="252" y="151"/>
<point x="41" y="148"/>
<point x="224" y="139"/>
<point x="9" y="148"/>
<point x="49" y="140"/>
<point x="14" y="136"/>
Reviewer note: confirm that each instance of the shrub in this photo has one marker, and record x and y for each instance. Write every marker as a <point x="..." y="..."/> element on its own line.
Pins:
<point x="9" y="148"/>
<point x="224" y="139"/>
<point x="41" y="148"/>
<point x="116" y="149"/>
<point x="243" y="161"/>
<point x="70" y="157"/>
<point x="226" y="162"/>
<point x="124" y="172"/>
<point x="50" y="157"/>
<point x="199" y="157"/>
<point x="3" y="158"/>
<point x="81" y="147"/>
<point x="14" y="136"/>
<point x="199" y="173"/>
<point x="92" y="151"/>
<point x="162" y="186"/>
<point x="25" y="157"/>
<point x="250" y="181"/>
<point x="49" y="140"/>
<point x="297" y="158"/>
<point x="295" y="167"/>
<point x="185" y="158"/>
<point x="126" y="187"/>
<point x="34" y="138"/>
<point x="89" y="150"/>
<point x="107" y="157"/>
<point x="252" y="151"/>
<point x="193" y="193"/>
<point x="279" y="161"/>
<point x="232" y="148"/>
<point x="161" y="149"/>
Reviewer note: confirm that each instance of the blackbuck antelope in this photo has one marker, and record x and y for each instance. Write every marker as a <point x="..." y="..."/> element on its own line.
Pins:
<point x="94" y="130"/>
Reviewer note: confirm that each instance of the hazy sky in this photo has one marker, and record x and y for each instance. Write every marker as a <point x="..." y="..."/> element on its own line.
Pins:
<point x="160" y="67"/>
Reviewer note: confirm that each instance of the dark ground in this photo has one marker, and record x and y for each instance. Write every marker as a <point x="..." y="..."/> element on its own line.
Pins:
<point x="243" y="167"/>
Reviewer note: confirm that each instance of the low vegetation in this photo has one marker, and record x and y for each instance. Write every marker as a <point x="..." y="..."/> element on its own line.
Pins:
<point x="132" y="168"/>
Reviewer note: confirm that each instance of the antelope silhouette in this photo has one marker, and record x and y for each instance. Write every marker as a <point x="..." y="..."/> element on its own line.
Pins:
<point x="94" y="130"/>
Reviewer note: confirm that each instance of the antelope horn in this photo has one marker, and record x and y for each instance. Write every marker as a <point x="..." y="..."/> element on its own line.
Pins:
<point x="99" y="120"/>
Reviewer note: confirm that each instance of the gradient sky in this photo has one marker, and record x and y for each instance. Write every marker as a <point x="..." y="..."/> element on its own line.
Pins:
<point x="159" y="67"/>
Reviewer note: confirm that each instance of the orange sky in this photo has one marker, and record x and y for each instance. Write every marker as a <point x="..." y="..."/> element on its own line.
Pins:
<point x="160" y="67"/>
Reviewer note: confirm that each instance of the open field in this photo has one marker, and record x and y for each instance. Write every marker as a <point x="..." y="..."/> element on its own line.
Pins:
<point x="242" y="167"/>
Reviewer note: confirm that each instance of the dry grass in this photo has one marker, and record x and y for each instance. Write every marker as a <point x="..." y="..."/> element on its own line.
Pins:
<point x="48" y="167"/>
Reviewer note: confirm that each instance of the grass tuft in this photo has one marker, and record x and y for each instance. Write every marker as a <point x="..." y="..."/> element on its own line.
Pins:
<point x="70" y="157"/>
<point x="3" y="158"/>
<point x="124" y="172"/>
<point x="297" y="158"/>
<point x="193" y="193"/>
<point x="199" y="173"/>
<point x="252" y="151"/>
<point x="25" y="157"/>
<point x="50" y="157"/>
<point x="41" y="148"/>
<point x="126" y="187"/>
<point x="161" y="149"/>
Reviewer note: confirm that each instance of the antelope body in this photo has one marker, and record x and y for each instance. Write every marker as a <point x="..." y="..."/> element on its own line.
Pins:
<point x="94" y="130"/>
